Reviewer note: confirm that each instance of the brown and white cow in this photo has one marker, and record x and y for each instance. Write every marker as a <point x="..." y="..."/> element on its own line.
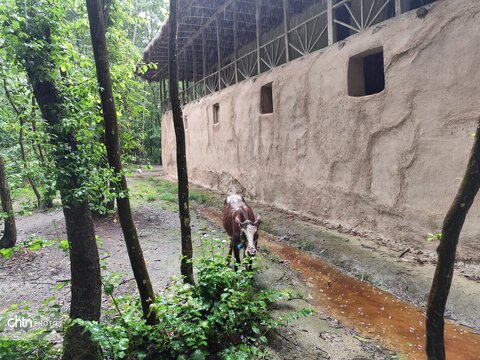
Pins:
<point x="242" y="227"/>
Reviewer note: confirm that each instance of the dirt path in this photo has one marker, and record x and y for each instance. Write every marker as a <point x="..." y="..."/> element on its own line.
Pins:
<point x="34" y="275"/>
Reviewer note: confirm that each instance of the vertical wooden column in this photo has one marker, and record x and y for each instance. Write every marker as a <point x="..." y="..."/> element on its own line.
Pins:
<point x="258" y="6"/>
<point x="235" y="40"/>
<point x="194" y="71"/>
<point x="398" y="7"/>
<point x="182" y="76"/>
<point x="204" y="63"/>
<point x="330" y="21"/>
<point x="160" y="85"/>
<point x="219" y="55"/>
<point x="286" y="24"/>
<point x="165" y="88"/>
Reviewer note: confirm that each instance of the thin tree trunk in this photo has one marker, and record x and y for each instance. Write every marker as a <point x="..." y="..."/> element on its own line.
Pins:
<point x="452" y="227"/>
<point x="25" y="165"/>
<point x="137" y="261"/>
<point x="9" y="237"/>
<point x="22" y="148"/>
<point x="84" y="259"/>
<point x="186" y="266"/>
<point x="49" y="191"/>
<point x="34" y="129"/>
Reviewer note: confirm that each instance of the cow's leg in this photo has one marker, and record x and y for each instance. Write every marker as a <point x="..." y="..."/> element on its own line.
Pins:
<point x="229" y="256"/>
<point x="249" y="265"/>
<point x="237" y="257"/>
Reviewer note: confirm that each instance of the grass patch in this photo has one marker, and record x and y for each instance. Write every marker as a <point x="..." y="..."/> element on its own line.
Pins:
<point x="153" y="189"/>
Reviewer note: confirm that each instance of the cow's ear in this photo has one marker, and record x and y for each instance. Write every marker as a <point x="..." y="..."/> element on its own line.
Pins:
<point x="237" y="221"/>
<point x="258" y="220"/>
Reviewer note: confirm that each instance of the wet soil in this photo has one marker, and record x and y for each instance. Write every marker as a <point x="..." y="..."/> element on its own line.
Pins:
<point x="350" y="322"/>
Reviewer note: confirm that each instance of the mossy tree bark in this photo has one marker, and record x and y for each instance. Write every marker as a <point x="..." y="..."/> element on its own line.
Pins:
<point x="451" y="229"/>
<point x="84" y="259"/>
<point x="186" y="266"/>
<point x="9" y="237"/>
<point x="137" y="261"/>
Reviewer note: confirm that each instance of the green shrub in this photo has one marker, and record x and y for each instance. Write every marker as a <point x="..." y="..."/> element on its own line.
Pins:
<point x="222" y="317"/>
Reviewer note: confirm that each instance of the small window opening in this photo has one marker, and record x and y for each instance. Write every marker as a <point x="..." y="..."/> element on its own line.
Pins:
<point x="266" y="99"/>
<point x="366" y="75"/>
<point x="185" y="121"/>
<point x="216" y="113"/>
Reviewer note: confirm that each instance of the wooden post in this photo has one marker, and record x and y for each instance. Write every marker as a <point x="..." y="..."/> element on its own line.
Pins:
<point x="219" y="55"/>
<point x="194" y="70"/>
<point x="161" y="93"/>
<point x="398" y="7"/>
<point x="164" y="84"/>
<point x="204" y="62"/>
<point x="235" y="39"/>
<point x="330" y="21"/>
<point x="286" y="21"/>
<point x="258" y="6"/>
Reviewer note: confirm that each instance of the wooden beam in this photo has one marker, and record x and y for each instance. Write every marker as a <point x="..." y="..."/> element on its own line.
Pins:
<point x="330" y="21"/>
<point x="235" y="39"/>
<point x="219" y="53"/>
<point x="286" y="24"/>
<point x="204" y="63"/>
<point x="398" y="7"/>
<point x="220" y="10"/>
<point x="258" y="6"/>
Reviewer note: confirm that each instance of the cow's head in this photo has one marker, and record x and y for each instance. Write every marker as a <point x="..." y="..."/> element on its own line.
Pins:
<point x="249" y="234"/>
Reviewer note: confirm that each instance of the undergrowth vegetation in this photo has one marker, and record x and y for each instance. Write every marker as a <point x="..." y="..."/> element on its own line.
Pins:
<point x="157" y="189"/>
<point x="222" y="317"/>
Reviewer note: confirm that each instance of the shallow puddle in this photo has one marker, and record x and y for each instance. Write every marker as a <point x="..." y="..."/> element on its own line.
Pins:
<point x="372" y="312"/>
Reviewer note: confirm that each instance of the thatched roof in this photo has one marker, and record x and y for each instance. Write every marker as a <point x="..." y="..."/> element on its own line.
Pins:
<point x="199" y="18"/>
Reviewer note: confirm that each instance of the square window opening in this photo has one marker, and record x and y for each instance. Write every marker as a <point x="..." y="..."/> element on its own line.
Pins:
<point x="366" y="74"/>
<point x="266" y="99"/>
<point x="216" y="113"/>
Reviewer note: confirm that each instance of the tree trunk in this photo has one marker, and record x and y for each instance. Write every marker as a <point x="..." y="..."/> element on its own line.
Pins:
<point x="84" y="259"/>
<point x="9" y="237"/>
<point x="442" y="279"/>
<point x="137" y="261"/>
<point x="20" y="141"/>
<point x="86" y="285"/>
<point x="34" y="129"/>
<point x="186" y="266"/>
<point x="25" y="164"/>
<point x="49" y="191"/>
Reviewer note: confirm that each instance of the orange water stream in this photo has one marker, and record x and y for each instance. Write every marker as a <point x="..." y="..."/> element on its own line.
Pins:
<point x="374" y="313"/>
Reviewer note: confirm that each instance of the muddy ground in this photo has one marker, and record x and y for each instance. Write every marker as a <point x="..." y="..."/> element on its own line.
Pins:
<point x="403" y="270"/>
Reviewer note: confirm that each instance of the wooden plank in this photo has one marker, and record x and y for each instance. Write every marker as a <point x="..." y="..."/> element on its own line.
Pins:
<point x="286" y="21"/>
<point x="235" y="40"/>
<point x="258" y="6"/>
<point x="330" y="21"/>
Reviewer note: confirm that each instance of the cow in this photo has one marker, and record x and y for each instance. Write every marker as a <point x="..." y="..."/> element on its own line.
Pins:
<point x="242" y="227"/>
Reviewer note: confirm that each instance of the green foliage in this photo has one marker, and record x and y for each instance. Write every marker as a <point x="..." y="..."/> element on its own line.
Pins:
<point x="66" y="58"/>
<point x="32" y="243"/>
<point x="32" y="346"/>
<point x="434" y="237"/>
<point x="157" y="189"/>
<point x="32" y="342"/>
<point x="222" y="317"/>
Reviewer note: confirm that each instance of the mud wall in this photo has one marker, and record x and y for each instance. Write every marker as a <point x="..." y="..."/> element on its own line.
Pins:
<point x="387" y="164"/>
